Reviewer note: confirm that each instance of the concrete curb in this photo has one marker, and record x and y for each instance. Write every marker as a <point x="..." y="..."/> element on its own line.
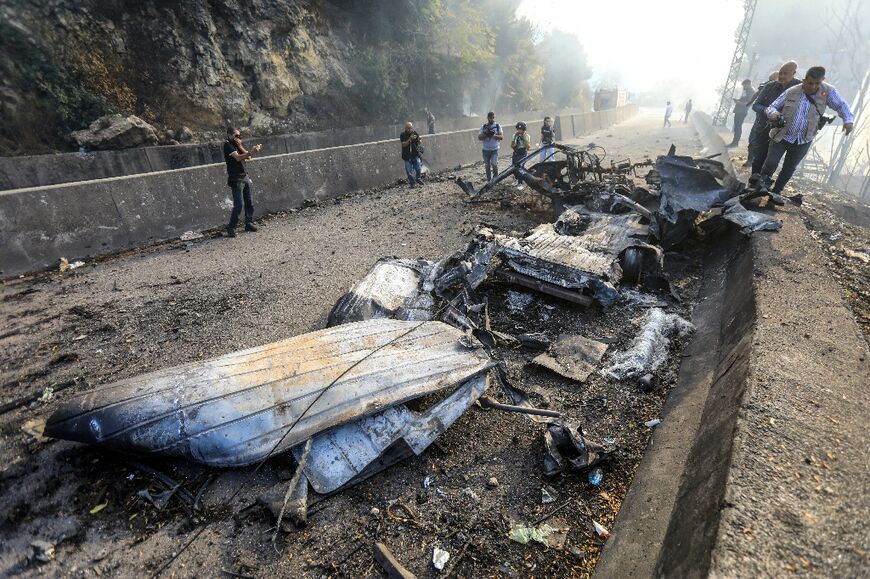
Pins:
<point x="668" y="522"/>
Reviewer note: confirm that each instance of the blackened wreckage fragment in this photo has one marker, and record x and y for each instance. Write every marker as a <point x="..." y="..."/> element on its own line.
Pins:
<point x="233" y="410"/>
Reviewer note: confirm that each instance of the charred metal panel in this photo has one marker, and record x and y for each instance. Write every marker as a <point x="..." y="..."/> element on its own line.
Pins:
<point x="562" y="260"/>
<point x="343" y="453"/>
<point x="391" y="289"/>
<point x="232" y="410"/>
<point x="686" y="191"/>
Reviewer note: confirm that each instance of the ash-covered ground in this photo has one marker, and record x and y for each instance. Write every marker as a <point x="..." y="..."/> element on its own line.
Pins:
<point x="178" y="302"/>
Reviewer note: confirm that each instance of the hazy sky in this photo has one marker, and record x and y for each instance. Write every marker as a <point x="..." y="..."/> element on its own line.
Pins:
<point x="685" y="45"/>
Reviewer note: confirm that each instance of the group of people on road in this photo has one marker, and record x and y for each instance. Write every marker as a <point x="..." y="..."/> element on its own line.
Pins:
<point x="789" y="114"/>
<point x="669" y="110"/>
<point x="490" y="135"/>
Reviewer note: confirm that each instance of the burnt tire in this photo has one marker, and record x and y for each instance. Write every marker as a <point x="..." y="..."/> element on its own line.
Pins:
<point x="632" y="264"/>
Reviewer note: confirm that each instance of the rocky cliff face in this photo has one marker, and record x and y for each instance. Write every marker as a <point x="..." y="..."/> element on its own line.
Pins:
<point x="266" y="64"/>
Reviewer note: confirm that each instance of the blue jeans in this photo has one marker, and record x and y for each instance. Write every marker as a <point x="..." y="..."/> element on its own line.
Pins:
<point x="546" y="153"/>
<point x="794" y="154"/>
<point x="414" y="170"/>
<point x="490" y="161"/>
<point x="241" y="191"/>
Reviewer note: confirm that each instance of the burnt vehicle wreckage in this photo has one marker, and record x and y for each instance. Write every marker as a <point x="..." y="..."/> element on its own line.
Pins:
<point x="411" y="347"/>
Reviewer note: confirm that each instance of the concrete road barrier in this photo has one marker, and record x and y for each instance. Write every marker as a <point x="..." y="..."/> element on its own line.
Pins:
<point x="39" y="170"/>
<point x="38" y="225"/>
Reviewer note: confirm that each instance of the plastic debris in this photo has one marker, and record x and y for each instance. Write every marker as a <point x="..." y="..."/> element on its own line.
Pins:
<point x="548" y="495"/>
<point x="98" y="508"/>
<point x="47" y="395"/>
<point x="857" y="255"/>
<point x="440" y="558"/>
<point x="191" y="235"/>
<point x="600" y="529"/>
<point x="649" y="350"/>
<point x="523" y="534"/>
<point x="653" y="423"/>
<point x="35" y="427"/>
<point x="43" y="551"/>
<point x="596" y="476"/>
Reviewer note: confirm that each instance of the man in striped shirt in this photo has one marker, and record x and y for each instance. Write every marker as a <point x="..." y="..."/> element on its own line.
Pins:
<point x="801" y="107"/>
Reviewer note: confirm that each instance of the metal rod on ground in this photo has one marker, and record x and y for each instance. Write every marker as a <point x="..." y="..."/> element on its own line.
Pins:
<point x="390" y="564"/>
<point x="488" y="402"/>
<point x="544" y="287"/>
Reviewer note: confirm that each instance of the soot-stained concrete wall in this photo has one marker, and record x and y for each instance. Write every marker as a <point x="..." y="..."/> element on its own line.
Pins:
<point x="80" y="220"/>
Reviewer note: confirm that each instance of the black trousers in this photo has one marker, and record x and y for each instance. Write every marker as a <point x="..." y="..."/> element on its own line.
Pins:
<point x="794" y="154"/>
<point x="759" y="141"/>
<point x="738" y="126"/>
<point x="241" y="192"/>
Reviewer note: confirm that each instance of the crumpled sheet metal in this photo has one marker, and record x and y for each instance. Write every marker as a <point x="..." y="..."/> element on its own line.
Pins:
<point x="562" y="260"/>
<point x="232" y="410"/>
<point x="571" y="356"/>
<point x="608" y="233"/>
<point x="348" y="453"/>
<point x="393" y="289"/>
<point x="649" y="349"/>
<point x="687" y="190"/>
<point x="748" y="220"/>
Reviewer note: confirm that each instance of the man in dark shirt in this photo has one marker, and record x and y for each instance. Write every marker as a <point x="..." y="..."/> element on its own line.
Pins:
<point x="759" y="139"/>
<point x="741" y="108"/>
<point x="430" y="121"/>
<point x="548" y="137"/>
<point x="235" y="156"/>
<point x="411" y="155"/>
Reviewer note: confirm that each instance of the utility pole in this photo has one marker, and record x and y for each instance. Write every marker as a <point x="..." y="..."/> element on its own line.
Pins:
<point x="731" y="83"/>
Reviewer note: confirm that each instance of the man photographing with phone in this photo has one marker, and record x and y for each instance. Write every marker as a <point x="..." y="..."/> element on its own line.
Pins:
<point x="235" y="156"/>
<point x="795" y="117"/>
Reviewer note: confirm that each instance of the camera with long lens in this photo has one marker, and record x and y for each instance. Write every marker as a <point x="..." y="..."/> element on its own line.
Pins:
<point x="489" y="132"/>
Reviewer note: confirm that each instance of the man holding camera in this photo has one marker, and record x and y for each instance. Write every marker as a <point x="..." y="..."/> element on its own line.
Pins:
<point x="491" y="135"/>
<point x="795" y="117"/>
<point x="235" y="156"/>
<point x="758" y="136"/>
<point x="411" y="155"/>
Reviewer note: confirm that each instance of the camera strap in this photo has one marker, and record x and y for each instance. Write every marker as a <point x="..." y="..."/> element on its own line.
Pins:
<point x="816" y="106"/>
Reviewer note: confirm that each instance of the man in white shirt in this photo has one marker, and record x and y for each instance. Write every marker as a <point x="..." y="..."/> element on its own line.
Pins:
<point x="669" y="110"/>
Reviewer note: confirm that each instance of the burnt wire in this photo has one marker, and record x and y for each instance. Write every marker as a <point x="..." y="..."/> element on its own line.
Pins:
<point x="277" y="444"/>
